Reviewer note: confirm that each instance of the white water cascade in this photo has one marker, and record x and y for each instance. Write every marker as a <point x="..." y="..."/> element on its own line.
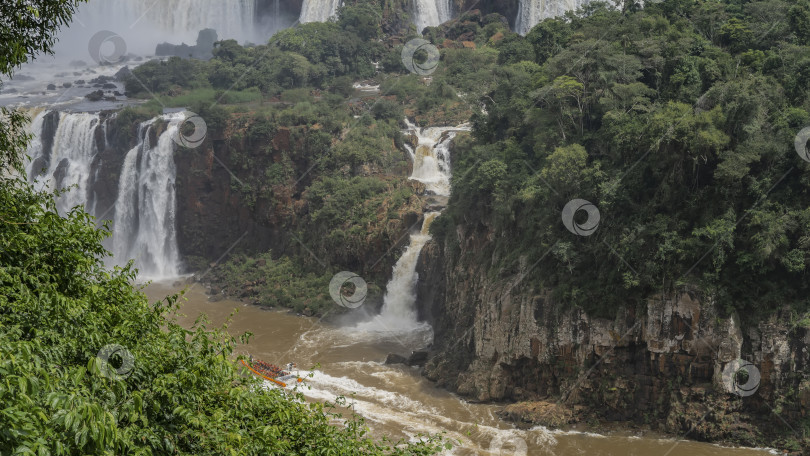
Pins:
<point x="144" y="23"/>
<point x="430" y="13"/>
<point x="431" y="166"/>
<point x="144" y="222"/>
<point x="532" y="12"/>
<point x="144" y="211"/>
<point x="66" y="166"/>
<point x="318" y="10"/>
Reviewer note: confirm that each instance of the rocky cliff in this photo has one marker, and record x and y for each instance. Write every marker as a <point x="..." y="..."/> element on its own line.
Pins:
<point x="667" y="363"/>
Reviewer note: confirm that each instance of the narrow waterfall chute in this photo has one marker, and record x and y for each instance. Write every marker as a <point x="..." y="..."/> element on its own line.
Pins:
<point x="431" y="166"/>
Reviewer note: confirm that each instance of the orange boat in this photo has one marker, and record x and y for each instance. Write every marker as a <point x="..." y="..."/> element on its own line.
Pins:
<point x="271" y="372"/>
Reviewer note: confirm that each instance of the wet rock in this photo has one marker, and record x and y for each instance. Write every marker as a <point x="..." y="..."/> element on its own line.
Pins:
<point x="79" y="82"/>
<point x="109" y="86"/>
<point x="51" y="86"/>
<point x="547" y="414"/>
<point x="95" y="96"/>
<point x="393" y="358"/>
<point x="123" y="73"/>
<point x="418" y="358"/>
<point x="67" y="85"/>
<point x="216" y="298"/>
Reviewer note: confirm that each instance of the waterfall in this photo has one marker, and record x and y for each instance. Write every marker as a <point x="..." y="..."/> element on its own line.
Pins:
<point x="64" y="160"/>
<point x="431" y="166"/>
<point x="144" y="222"/>
<point x="64" y="153"/>
<point x="318" y="10"/>
<point x="430" y="13"/>
<point x="144" y="23"/>
<point x="531" y="12"/>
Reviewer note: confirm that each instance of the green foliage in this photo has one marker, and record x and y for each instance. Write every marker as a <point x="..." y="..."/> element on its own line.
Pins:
<point x="169" y="390"/>
<point x="276" y="283"/>
<point x="27" y="28"/>
<point x="677" y="121"/>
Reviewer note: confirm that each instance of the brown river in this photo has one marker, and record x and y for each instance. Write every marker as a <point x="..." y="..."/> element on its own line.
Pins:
<point x="394" y="399"/>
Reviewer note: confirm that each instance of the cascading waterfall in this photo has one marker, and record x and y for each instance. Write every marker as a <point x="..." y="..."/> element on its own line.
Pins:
<point x="318" y="10"/>
<point x="66" y="162"/>
<point x="531" y="12"/>
<point x="148" y="22"/>
<point x="430" y="13"/>
<point x="63" y="156"/>
<point x="431" y="166"/>
<point x="144" y="222"/>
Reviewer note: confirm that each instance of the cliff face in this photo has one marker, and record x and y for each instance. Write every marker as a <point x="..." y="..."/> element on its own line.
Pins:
<point x="227" y="204"/>
<point x="502" y="338"/>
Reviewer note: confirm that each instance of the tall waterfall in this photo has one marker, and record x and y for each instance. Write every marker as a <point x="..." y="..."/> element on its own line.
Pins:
<point x="64" y="155"/>
<point x="318" y="10"/>
<point x="532" y="12"/>
<point x="144" y="223"/>
<point x="430" y="13"/>
<point x="431" y="166"/>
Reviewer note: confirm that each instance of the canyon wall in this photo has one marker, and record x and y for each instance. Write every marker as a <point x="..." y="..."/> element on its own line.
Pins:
<point x="502" y="337"/>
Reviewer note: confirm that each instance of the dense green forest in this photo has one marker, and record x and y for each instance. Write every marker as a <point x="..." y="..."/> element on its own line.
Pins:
<point x="678" y="123"/>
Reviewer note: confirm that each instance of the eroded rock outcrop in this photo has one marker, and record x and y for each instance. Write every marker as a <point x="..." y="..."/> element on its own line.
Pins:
<point x="499" y="337"/>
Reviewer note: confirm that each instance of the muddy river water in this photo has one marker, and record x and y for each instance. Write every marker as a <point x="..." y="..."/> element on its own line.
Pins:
<point x="394" y="399"/>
